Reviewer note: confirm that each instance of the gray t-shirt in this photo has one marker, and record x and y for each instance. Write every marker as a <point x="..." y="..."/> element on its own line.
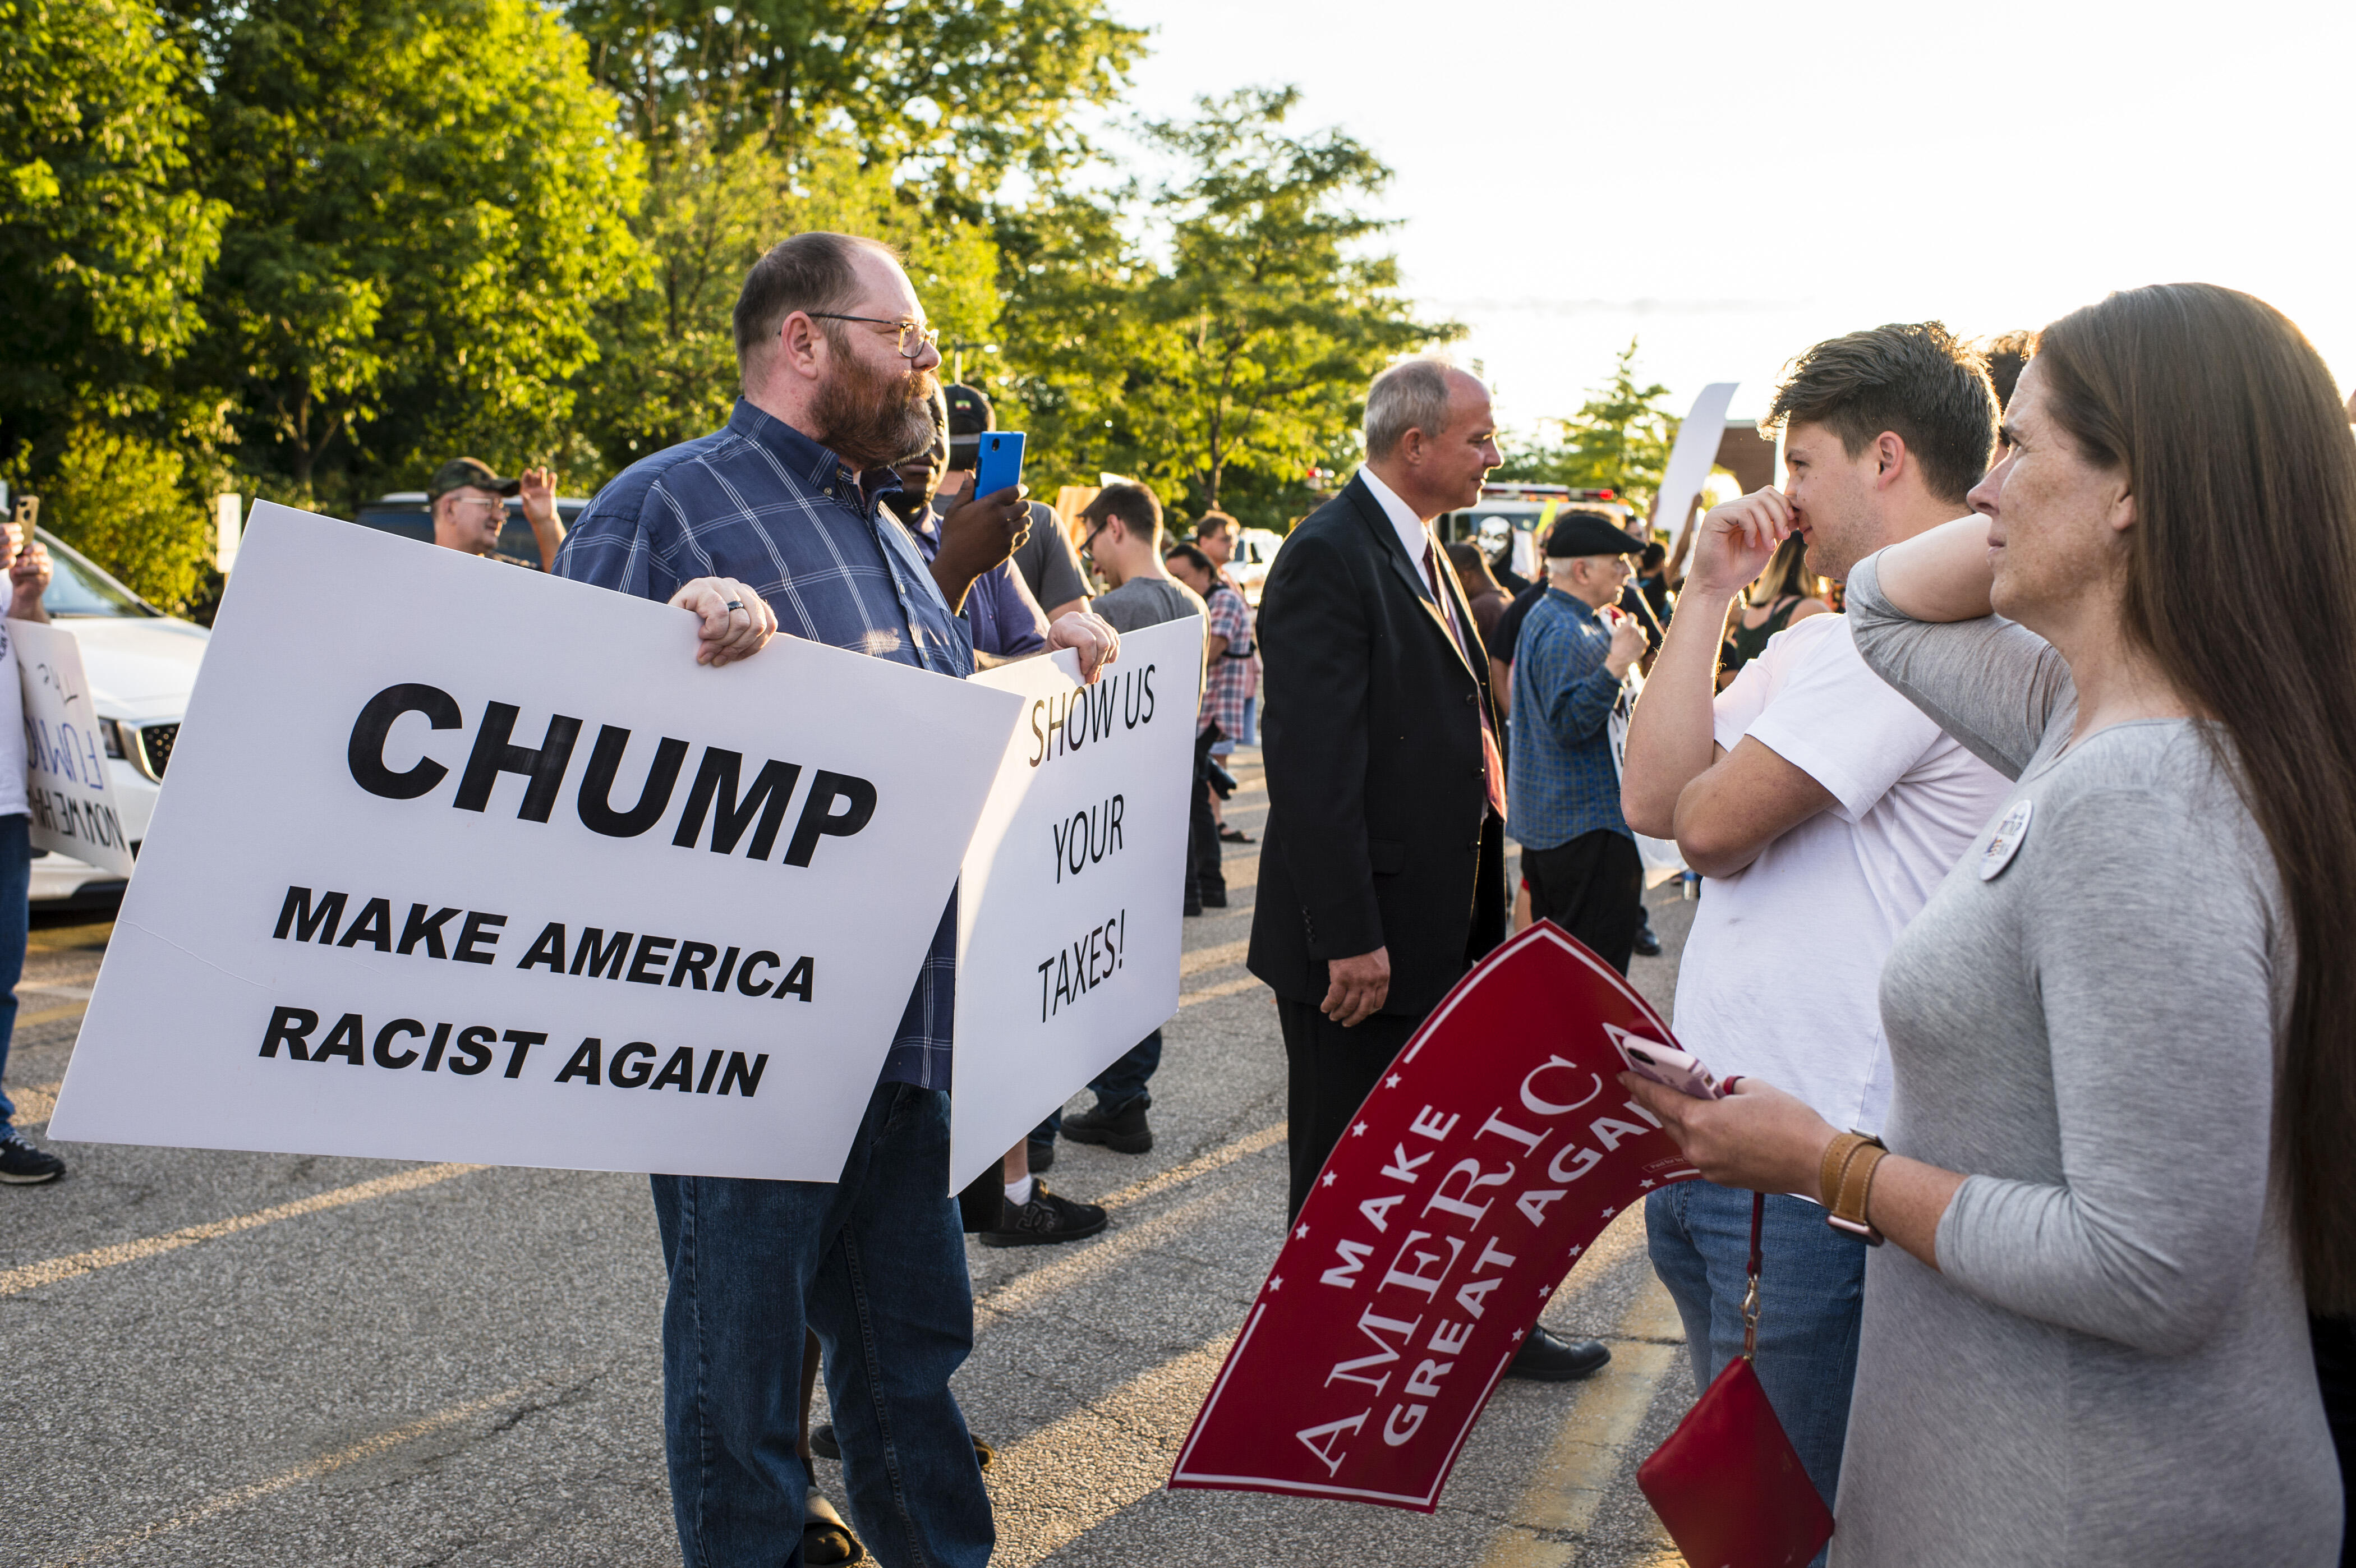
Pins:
<point x="1050" y="567"/>
<point x="1149" y="601"/>
<point x="2111" y="1364"/>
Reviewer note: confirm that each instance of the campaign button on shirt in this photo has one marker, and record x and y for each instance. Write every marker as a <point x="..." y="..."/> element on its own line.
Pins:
<point x="2006" y="842"/>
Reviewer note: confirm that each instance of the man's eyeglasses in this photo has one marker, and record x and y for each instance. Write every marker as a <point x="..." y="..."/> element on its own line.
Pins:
<point x="913" y="339"/>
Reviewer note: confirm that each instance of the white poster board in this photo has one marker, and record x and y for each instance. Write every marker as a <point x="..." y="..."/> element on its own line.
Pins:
<point x="1693" y="455"/>
<point x="460" y="862"/>
<point x="1069" y="916"/>
<point x="65" y="788"/>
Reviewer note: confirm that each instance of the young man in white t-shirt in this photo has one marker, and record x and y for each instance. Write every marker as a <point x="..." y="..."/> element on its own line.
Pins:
<point x="22" y="1164"/>
<point x="1823" y="808"/>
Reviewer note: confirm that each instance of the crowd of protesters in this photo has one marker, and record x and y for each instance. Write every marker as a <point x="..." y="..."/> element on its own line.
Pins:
<point x="2013" y="737"/>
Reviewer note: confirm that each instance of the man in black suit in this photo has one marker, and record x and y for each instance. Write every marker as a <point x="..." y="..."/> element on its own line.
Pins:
<point x="1382" y="867"/>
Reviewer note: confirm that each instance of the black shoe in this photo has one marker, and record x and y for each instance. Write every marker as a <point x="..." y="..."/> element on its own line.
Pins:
<point x="1123" y="1132"/>
<point x="1234" y="836"/>
<point x="1044" y="1221"/>
<point x="1194" y="906"/>
<point x="25" y="1166"/>
<point x="1647" y="943"/>
<point x="1040" y="1156"/>
<point x="1548" y="1358"/>
<point x="1216" y="900"/>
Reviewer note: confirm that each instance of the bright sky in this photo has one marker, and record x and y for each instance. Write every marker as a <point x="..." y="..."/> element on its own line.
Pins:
<point x="1732" y="181"/>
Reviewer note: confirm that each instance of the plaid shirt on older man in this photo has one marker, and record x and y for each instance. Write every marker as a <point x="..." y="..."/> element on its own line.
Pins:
<point x="763" y="503"/>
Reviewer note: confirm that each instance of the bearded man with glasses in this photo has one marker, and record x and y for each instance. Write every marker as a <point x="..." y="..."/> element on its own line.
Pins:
<point x="775" y="523"/>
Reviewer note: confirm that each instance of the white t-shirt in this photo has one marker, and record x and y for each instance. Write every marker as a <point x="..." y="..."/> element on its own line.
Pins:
<point x="1781" y="971"/>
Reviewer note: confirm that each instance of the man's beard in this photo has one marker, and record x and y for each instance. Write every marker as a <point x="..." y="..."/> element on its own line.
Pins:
<point x="869" y="419"/>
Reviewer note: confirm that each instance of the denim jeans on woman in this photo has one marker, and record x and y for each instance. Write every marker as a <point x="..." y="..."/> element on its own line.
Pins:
<point x="874" y="1264"/>
<point x="1811" y="1298"/>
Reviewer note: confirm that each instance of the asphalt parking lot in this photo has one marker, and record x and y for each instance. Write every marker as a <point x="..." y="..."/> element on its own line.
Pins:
<point x="229" y="1358"/>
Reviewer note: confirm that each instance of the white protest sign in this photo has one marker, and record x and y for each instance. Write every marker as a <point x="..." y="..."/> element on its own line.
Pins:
<point x="65" y="788"/>
<point x="1069" y="915"/>
<point x="460" y="862"/>
<point x="1690" y="458"/>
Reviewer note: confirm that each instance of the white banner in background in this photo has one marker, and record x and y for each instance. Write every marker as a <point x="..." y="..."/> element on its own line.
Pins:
<point x="1069" y="916"/>
<point x="1690" y="460"/>
<point x="73" y="806"/>
<point x="461" y="861"/>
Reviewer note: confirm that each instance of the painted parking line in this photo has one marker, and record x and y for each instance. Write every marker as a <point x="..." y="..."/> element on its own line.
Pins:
<point x="368" y="1448"/>
<point x="1590" y="1448"/>
<point x="1073" y="1473"/>
<point x="32" y="1276"/>
<point x="51" y="1015"/>
<point x="1215" y="957"/>
<point x="1224" y="988"/>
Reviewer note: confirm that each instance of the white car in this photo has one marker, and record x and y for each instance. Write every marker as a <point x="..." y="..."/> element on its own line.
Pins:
<point x="142" y="665"/>
<point x="1255" y="552"/>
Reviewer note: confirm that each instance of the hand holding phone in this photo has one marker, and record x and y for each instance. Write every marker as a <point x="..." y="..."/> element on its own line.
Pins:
<point x="1666" y="1065"/>
<point x="999" y="463"/>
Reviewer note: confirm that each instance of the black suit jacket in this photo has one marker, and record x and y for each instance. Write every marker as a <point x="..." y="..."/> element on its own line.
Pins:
<point x="1378" y="834"/>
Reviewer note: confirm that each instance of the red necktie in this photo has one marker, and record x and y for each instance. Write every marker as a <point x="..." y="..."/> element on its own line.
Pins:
<point x="1492" y="762"/>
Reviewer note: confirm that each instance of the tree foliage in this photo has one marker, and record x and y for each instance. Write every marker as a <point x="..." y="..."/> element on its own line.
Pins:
<point x="667" y="370"/>
<point x="1619" y="439"/>
<point x="429" y="202"/>
<point x="1251" y="345"/>
<point x="103" y="239"/>
<point x="966" y="88"/>
<point x="130" y="503"/>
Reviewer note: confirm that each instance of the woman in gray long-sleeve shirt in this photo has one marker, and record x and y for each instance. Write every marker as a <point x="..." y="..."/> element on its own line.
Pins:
<point x="2121" y="1164"/>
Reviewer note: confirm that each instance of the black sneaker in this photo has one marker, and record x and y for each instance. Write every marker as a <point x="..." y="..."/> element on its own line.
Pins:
<point x="1215" y="900"/>
<point x="1647" y="944"/>
<point x="1044" y="1221"/>
<point x="1040" y="1156"/>
<point x="1124" y="1132"/>
<point x="25" y="1166"/>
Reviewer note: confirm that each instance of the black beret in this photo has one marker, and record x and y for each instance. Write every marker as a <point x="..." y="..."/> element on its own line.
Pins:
<point x="1589" y="533"/>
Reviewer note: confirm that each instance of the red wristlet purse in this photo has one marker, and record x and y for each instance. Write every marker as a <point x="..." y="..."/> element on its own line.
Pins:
<point x="1728" y="1484"/>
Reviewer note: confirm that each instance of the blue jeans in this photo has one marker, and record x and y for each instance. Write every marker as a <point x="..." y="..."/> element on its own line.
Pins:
<point x="1811" y="1296"/>
<point x="874" y="1264"/>
<point x="1116" y="1086"/>
<point x="16" y="884"/>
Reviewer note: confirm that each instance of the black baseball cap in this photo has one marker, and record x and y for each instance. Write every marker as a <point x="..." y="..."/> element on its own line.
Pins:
<point x="463" y="473"/>
<point x="969" y="414"/>
<point x="1589" y="533"/>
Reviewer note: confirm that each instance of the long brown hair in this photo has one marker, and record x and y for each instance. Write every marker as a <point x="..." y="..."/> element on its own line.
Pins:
<point x="1786" y="575"/>
<point x="2241" y="583"/>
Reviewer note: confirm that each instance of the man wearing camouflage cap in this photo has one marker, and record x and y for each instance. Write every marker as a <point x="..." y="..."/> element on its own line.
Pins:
<point x="469" y="506"/>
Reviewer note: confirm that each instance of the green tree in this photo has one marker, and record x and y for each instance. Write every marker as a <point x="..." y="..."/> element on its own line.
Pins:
<point x="430" y="202"/>
<point x="1619" y="440"/>
<point x="666" y="371"/>
<point x="103" y="238"/>
<point x="965" y="88"/>
<point x="1249" y="348"/>
<point x="131" y="504"/>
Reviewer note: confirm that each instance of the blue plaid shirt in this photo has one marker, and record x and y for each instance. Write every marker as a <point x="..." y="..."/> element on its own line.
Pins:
<point x="1563" y="783"/>
<point x="763" y="503"/>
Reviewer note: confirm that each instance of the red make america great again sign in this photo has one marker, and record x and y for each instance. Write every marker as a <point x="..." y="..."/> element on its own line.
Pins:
<point x="1480" y="1169"/>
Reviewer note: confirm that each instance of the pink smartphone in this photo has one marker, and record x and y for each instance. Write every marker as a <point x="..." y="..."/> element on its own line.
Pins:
<point x="1666" y="1065"/>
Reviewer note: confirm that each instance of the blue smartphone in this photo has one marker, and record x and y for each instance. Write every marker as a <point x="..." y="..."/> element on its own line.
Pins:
<point x="999" y="464"/>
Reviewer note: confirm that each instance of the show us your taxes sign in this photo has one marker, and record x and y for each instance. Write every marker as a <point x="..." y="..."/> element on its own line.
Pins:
<point x="1476" y="1174"/>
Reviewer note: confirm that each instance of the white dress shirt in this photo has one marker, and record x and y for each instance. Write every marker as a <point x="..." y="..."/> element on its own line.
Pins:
<point x="1414" y="538"/>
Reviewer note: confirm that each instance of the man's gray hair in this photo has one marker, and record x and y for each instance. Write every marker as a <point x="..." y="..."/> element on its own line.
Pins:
<point x="1410" y="395"/>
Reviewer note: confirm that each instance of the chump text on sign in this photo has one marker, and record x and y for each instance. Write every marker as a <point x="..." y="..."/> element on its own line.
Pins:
<point x="533" y="887"/>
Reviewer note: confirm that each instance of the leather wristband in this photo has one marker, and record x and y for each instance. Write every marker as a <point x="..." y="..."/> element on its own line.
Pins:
<point x="1847" y="1178"/>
